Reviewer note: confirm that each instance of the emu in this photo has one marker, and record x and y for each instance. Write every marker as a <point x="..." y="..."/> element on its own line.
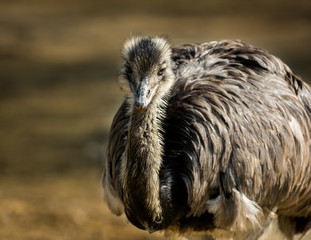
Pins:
<point x="211" y="138"/>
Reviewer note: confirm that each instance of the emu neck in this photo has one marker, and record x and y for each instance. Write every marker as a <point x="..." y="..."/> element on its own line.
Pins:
<point x="144" y="157"/>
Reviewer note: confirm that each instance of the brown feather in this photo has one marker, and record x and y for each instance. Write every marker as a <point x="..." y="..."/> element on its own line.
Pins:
<point x="236" y="128"/>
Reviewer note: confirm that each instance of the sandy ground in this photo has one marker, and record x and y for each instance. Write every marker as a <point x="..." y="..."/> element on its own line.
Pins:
<point x="60" y="207"/>
<point x="64" y="207"/>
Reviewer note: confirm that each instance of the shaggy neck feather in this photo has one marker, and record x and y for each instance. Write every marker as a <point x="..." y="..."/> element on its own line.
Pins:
<point x="143" y="160"/>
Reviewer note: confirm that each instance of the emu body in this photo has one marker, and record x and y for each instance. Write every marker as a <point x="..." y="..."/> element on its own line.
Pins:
<point x="211" y="136"/>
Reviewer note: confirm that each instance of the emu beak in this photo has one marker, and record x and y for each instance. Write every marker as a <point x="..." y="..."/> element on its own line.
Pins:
<point x="144" y="94"/>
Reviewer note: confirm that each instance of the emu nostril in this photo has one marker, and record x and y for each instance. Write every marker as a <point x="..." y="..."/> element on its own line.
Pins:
<point x="148" y="92"/>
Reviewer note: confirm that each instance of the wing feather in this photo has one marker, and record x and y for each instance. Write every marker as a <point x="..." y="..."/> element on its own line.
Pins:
<point x="115" y="149"/>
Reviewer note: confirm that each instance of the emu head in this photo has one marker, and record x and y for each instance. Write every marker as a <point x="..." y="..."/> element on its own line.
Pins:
<point x="147" y="72"/>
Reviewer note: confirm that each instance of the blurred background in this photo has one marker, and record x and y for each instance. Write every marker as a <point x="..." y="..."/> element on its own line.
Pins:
<point x="58" y="66"/>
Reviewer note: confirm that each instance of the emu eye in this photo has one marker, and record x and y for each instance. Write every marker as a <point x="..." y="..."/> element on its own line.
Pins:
<point x="161" y="72"/>
<point x="128" y="70"/>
